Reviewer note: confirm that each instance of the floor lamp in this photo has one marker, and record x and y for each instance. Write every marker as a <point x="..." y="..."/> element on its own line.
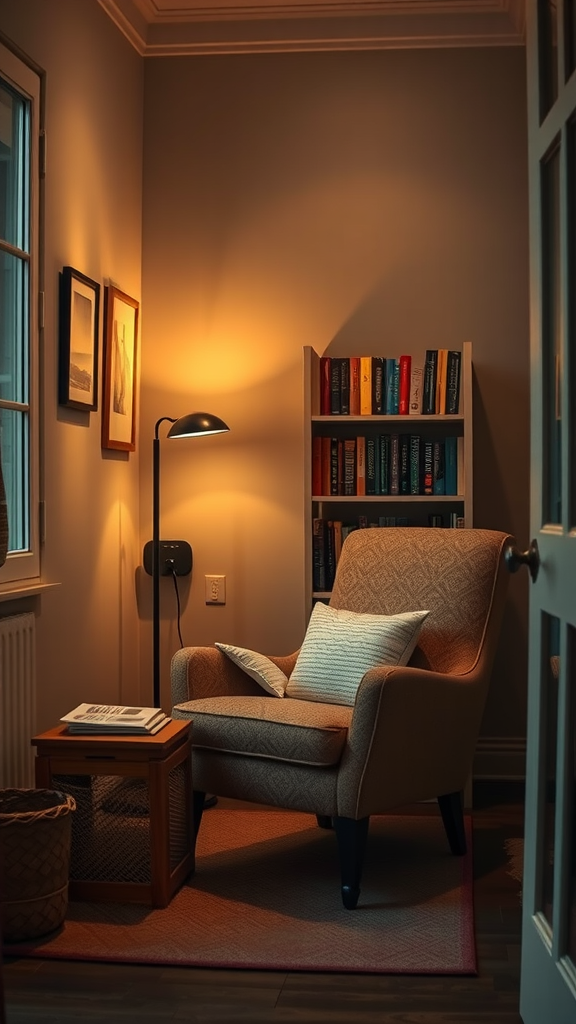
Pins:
<point x="194" y="424"/>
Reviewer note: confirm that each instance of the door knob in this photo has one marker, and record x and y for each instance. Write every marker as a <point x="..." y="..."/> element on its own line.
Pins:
<point x="515" y="558"/>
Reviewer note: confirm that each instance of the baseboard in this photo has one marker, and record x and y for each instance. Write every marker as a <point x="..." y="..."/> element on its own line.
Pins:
<point x="500" y="757"/>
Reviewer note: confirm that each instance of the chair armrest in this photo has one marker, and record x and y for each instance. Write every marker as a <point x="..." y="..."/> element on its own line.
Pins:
<point x="412" y="737"/>
<point x="198" y="672"/>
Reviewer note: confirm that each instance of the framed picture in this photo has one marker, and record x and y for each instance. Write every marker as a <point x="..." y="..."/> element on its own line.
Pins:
<point x="120" y="351"/>
<point x="78" y="342"/>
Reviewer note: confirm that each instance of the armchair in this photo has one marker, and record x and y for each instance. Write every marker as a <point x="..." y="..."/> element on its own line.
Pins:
<point x="411" y="731"/>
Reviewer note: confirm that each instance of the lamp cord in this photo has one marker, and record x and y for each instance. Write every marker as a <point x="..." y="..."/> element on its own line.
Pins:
<point x="175" y="579"/>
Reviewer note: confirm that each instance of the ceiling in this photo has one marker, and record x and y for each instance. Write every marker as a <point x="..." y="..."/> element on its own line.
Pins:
<point x="172" y="27"/>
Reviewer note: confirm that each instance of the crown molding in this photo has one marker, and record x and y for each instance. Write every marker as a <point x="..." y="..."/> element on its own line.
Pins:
<point x="179" y="27"/>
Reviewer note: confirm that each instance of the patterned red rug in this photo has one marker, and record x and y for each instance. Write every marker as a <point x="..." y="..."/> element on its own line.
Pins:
<point x="266" y="895"/>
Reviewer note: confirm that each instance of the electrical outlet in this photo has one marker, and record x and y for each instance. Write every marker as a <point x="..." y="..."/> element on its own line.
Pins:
<point x="215" y="589"/>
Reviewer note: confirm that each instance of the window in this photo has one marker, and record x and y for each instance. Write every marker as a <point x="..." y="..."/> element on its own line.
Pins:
<point x="19" y="229"/>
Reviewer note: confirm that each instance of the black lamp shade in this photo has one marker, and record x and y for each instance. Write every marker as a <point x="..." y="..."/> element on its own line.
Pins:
<point x="197" y="423"/>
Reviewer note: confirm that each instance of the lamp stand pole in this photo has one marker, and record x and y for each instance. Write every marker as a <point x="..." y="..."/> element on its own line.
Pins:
<point x="156" y="561"/>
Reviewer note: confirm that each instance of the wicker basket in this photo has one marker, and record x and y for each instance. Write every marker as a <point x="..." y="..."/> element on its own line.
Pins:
<point x="35" y="829"/>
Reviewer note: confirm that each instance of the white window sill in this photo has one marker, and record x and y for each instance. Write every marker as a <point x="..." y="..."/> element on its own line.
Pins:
<point x="23" y="588"/>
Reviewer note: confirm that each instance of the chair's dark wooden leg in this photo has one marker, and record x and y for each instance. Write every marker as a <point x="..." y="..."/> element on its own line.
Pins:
<point x="452" y="811"/>
<point x="198" y="802"/>
<point x="351" y="835"/>
<point x="324" y="820"/>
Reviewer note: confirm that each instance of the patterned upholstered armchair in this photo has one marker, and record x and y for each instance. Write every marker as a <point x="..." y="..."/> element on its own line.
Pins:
<point x="408" y="732"/>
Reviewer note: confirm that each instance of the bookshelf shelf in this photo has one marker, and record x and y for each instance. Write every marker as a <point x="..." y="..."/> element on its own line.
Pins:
<point x="411" y="509"/>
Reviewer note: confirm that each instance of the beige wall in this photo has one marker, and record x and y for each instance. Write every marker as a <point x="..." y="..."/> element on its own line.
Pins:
<point x="349" y="201"/>
<point x="88" y="626"/>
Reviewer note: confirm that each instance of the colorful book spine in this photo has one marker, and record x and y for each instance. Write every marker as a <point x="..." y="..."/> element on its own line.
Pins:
<point x="316" y="465"/>
<point x="392" y="386"/>
<point x="335" y="387"/>
<point x="318" y="554"/>
<point x="333" y="466"/>
<point x="441" y="366"/>
<point x="416" y="387"/>
<point x="427" y="466"/>
<point x="344" y="386"/>
<point x="415" y="463"/>
<point x="326" y="464"/>
<point x="384" y="461"/>
<point x="438" y="486"/>
<point x="360" y="465"/>
<point x="394" y="464"/>
<point x="354" y="385"/>
<point x="451" y="465"/>
<point x="405" y="368"/>
<point x="325" y="377"/>
<point x="404" y="470"/>
<point x="365" y="385"/>
<point x="453" y="382"/>
<point x="429" y="393"/>
<point x="371" y="465"/>
<point x="350" y="466"/>
<point x="377" y="385"/>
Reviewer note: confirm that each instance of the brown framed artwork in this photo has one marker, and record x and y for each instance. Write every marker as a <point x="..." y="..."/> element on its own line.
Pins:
<point x="120" y="355"/>
<point x="79" y="310"/>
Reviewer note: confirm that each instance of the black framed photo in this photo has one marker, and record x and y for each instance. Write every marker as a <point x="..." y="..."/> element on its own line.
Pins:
<point x="79" y="326"/>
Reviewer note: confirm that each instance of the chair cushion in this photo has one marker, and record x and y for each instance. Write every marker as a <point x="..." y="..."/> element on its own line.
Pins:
<point x="258" y="667"/>
<point x="283" y="730"/>
<point x="340" y="646"/>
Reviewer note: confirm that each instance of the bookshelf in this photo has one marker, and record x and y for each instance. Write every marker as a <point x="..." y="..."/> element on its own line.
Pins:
<point x="413" y="509"/>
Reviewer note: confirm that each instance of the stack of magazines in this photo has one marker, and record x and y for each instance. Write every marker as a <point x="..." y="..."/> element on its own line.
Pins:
<point x="113" y="718"/>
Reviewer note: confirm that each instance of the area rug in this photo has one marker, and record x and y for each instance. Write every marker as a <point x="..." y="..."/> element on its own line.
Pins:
<point x="266" y="896"/>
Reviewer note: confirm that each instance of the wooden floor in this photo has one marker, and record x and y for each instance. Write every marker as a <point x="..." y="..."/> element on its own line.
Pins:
<point x="56" y="992"/>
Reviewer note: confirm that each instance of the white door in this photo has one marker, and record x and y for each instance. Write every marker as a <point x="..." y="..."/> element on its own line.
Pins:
<point x="548" y="976"/>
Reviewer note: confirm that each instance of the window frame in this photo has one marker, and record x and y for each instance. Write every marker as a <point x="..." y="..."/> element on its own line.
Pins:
<point x="24" y="566"/>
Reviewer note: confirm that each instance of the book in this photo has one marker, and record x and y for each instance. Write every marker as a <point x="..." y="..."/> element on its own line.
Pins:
<point x="392" y="386"/>
<point x="318" y="554"/>
<point x="378" y="376"/>
<point x="394" y="464"/>
<point x="384" y="462"/>
<point x="360" y="465"/>
<point x="354" y="385"/>
<point x="371" y="465"/>
<point x="330" y="554"/>
<point x="405" y="369"/>
<point x="344" y="368"/>
<point x="325" y="371"/>
<point x="429" y="392"/>
<point x="415" y="464"/>
<point x="453" y="382"/>
<point x="326" y="464"/>
<point x="316" y="464"/>
<point x="451" y="465"/>
<point x="438" y="468"/>
<point x="335" y="387"/>
<point x="365" y="385"/>
<point x="441" y="363"/>
<point x="113" y="718"/>
<point x="427" y="466"/>
<point x="350" y="465"/>
<point x="416" y="385"/>
<point x="404" y="464"/>
<point x="333" y="466"/>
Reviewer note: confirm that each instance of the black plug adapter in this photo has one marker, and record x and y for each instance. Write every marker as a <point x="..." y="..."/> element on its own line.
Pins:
<point x="175" y="557"/>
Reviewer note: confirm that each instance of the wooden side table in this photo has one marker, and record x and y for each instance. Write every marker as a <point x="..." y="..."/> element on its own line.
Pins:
<point x="132" y="831"/>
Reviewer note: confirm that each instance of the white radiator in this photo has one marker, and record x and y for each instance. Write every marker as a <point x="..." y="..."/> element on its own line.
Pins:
<point x="17" y="701"/>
